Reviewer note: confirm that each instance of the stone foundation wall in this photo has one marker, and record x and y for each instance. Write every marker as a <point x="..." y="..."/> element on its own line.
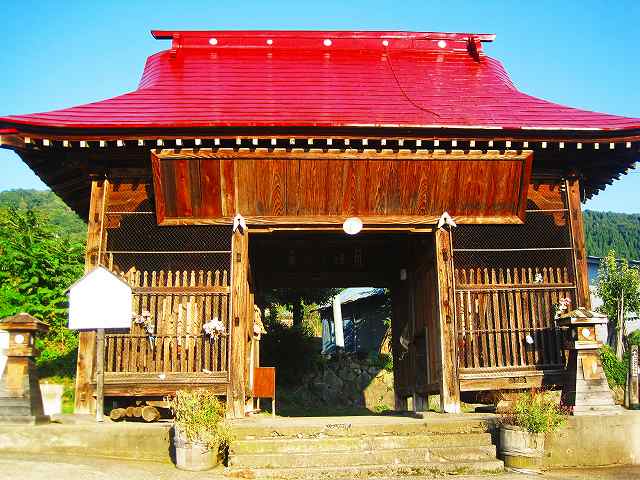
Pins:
<point x="348" y="382"/>
<point x="595" y="440"/>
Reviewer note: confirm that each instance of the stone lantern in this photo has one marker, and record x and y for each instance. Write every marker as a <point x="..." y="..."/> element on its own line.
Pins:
<point x="20" y="398"/>
<point x="586" y="390"/>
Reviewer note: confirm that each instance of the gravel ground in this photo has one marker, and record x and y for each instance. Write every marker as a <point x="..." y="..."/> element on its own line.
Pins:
<point x="85" y="468"/>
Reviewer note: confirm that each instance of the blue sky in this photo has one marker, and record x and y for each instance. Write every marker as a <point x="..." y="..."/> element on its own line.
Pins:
<point x="59" y="54"/>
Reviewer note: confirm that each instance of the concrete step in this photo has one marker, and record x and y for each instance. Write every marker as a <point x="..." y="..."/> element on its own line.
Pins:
<point x="428" y="469"/>
<point x="395" y="456"/>
<point x="341" y="428"/>
<point x="359" y="443"/>
<point x="15" y="410"/>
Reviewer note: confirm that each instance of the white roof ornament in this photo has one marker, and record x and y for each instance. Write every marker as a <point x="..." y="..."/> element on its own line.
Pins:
<point x="445" y="219"/>
<point x="239" y="223"/>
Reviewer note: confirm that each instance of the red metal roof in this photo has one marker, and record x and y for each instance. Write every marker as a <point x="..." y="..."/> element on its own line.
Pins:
<point x="324" y="79"/>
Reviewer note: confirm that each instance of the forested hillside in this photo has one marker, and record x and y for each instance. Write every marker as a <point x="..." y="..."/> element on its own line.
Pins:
<point x="46" y="204"/>
<point x="618" y="231"/>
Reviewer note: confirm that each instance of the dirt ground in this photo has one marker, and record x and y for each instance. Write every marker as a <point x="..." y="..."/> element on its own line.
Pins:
<point x="85" y="468"/>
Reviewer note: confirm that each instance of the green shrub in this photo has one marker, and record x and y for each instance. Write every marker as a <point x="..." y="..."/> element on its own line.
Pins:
<point x="383" y="361"/>
<point x="614" y="369"/>
<point x="57" y="358"/>
<point x="199" y="418"/>
<point x="294" y="351"/>
<point x="536" y="411"/>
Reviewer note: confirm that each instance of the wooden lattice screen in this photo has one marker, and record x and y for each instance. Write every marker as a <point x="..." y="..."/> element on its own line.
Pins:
<point x="180" y="279"/>
<point x="509" y="280"/>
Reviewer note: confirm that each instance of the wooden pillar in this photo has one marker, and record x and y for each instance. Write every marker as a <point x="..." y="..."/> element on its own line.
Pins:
<point x="84" y="400"/>
<point x="578" y="243"/>
<point x="237" y="324"/>
<point x="449" y="381"/>
<point x="398" y="317"/>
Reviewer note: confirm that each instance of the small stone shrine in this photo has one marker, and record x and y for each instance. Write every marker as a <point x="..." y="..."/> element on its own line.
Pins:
<point x="586" y="391"/>
<point x="20" y="398"/>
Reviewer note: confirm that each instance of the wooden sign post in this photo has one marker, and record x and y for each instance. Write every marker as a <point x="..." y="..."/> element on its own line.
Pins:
<point x="98" y="301"/>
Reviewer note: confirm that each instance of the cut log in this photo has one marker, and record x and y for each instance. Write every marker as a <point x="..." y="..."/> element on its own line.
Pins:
<point x="158" y="403"/>
<point x="150" y="414"/>
<point x="130" y="411"/>
<point x="137" y="412"/>
<point x="117" y="414"/>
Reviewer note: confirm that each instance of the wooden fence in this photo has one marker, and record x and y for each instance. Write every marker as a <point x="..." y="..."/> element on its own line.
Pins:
<point x="506" y="317"/>
<point x="172" y="308"/>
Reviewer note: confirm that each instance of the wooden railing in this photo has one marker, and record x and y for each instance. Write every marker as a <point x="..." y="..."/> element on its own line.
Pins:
<point x="505" y="317"/>
<point x="176" y="306"/>
<point x="185" y="353"/>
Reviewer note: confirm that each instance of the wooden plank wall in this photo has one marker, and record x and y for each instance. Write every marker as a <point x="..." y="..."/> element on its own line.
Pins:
<point x="416" y="370"/>
<point x="303" y="186"/>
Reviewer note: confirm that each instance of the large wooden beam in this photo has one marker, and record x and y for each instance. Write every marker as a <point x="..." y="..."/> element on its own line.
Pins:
<point x="449" y="381"/>
<point x="84" y="399"/>
<point x="578" y="242"/>
<point x="237" y="324"/>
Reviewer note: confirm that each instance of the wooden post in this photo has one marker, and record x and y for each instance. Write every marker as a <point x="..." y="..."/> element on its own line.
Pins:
<point x="84" y="401"/>
<point x="100" y="375"/>
<point x="237" y="323"/>
<point x="449" y="381"/>
<point x="578" y="243"/>
<point x="634" y="401"/>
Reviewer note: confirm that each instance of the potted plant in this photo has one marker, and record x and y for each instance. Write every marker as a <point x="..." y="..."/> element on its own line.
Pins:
<point x="200" y="432"/>
<point x="523" y="428"/>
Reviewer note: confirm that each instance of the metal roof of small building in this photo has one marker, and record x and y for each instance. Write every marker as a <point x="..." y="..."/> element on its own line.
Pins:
<point x="324" y="79"/>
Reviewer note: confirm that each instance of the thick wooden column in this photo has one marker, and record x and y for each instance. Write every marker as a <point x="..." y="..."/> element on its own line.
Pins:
<point x="578" y="241"/>
<point x="84" y="400"/>
<point x="237" y="324"/>
<point x="449" y="381"/>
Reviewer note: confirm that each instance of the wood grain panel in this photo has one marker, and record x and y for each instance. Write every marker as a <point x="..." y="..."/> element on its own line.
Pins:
<point x="211" y="179"/>
<point x="317" y="186"/>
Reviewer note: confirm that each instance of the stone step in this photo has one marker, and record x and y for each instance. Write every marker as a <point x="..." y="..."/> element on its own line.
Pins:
<point x="428" y="469"/>
<point x="253" y="431"/>
<point x="396" y="456"/>
<point x="354" y="444"/>
<point x="15" y="410"/>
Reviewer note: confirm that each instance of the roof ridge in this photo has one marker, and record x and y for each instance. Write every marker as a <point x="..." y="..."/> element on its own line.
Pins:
<point x="324" y="39"/>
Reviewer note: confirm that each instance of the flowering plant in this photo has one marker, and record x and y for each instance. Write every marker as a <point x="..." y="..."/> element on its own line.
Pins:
<point x="213" y="326"/>
<point x="144" y="320"/>
<point x="562" y="306"/>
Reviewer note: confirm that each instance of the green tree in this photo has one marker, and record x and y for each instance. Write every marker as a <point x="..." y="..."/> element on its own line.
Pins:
<point x="606" y="231"/>
<point x="37" y="265"/>
<point x="49" y="206"/>
<point x="619" y="288"/>
<point x="296" y="298"/>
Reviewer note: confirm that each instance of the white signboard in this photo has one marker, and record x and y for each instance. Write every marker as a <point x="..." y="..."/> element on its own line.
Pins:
<point x="100" y="299"/>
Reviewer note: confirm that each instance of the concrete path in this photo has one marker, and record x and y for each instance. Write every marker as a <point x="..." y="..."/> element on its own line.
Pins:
<point x="83" y="468"/>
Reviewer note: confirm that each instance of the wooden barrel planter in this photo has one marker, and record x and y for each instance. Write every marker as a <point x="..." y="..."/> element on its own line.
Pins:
<point x="521" y="449"/>
<point x="195" y="457"/>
